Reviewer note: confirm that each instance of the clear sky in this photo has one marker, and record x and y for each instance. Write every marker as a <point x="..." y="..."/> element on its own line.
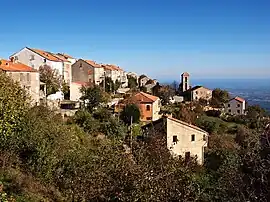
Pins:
<point x="161" y="38"/>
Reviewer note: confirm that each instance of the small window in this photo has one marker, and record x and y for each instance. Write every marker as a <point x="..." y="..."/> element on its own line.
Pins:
<point x="230" y="110"/>
<point x="238" y="111"/>
<point x="44" y="60"/>
<point x="229" y="105"/>
<point x="192" y="138"/>
<point x="196" y="92"/>
<point x="21" y="76"/>
<point x="28" y="76"/>
<point x="238" y="105"/>
<point x="175" y="138"/>
<point x="80" y="66"/>
<point x="147" y="107"/>
<point x="204" y="138"/>
<point x="16" y="57"/>
<point x="148" y="118"/>
<point x="32" y="57"/>
<point x="185" y="79"/>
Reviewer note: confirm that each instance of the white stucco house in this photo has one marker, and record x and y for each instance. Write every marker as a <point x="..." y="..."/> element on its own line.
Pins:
<point x="116" y="73"/>
<point x="35" y="58"/>
<point x="182" y="139"/>
<point x="236" y="106"/>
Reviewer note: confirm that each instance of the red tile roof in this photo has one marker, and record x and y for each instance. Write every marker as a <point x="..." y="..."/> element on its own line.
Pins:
<point x="65" y="55"/>
<point x="45" y="54"/>
<point x="15" y="67"/>
<point x="144" y="97"/>
<point x="93" y="63"/>
<point x="185" y="74"/>
<point x="111" y="67"/>
<point x="239" y="99"/>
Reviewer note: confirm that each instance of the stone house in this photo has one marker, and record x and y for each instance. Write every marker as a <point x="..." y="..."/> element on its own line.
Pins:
<point x="182" y="139"/>
<point x="87" y="71"/>
<point x="75" y="90"/>
<point x="196" y="93"/>
<point x="236" y="106"/>
<point x="35" y="58"/>
<point x="143" y="80"/>
<point x="27" y="77"/>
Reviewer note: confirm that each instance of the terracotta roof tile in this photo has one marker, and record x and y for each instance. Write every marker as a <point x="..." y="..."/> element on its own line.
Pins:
<point x="144" y="97"/>
<point x="93" y="63"/>
<point x="45" y="54"/>
<point x="239" y="99"/>
<point x="185" y="74"/>
<point x="15" y="67"/>
<point x="65" y="55"/>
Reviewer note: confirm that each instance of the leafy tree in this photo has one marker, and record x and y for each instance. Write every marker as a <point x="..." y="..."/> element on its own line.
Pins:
<point x="14" y="103"/>
<point x="51" y="78"/>
<point x="117" y="85"/>
<point x="132" y="82"/>
<point x="130" y="110"/>
<point x="92" y="96"/>
<point x="143" y="89"/>
<point x="219" y="97"/>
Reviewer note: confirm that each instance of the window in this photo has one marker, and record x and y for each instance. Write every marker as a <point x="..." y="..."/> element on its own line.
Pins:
<point x="148" y="118"/>
<point x="147" y="107"/>
<point x="175" y="138"/>
<point x="238" y="105"/>
<point x="16" y="58"/>
<point x="196" y="92"/>
<point x="44" y="60"/>
<point x="238" y="111"/>
<point x="229" y="105"/>
<point x="28" y="76"/>
<point x="21" y="76"/>
<point x="32" y="57"/>
<point x="185" y="79"/>
<point x="80" y="66"/>
<point x="192" y="138"/>
<point x="230" y="110"/>
<point x="204" y="138"/>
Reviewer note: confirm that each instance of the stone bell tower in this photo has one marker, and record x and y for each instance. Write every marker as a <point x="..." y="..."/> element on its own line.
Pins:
<point x="185" y="83"/>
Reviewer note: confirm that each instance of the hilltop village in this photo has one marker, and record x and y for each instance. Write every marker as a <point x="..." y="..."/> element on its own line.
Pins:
<point x="32" y="68"/>
<point x="74" y="129"/>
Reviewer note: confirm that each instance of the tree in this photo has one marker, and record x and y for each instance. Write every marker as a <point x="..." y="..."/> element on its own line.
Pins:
<point x="14" y="103"/>
<point x="51" y="78"/>
<point x="163" y="92"/>
<point x="132" y="82"/>
<point x="92" y="96"/>
<point x="130" y="110"/>
<point x="219" y="97"/>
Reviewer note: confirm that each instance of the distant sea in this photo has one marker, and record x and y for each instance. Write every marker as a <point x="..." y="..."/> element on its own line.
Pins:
<point x="255" y="91"/>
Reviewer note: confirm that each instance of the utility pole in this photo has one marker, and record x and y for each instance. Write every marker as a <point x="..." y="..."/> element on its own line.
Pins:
<point x="131" y="120"/>
<point x="104" y="83"/>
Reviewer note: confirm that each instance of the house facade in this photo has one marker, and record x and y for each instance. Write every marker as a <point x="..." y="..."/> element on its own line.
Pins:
<point x="35" y="58"/>
<point x="143" y="80"/>
<point x="27" y="77"/>
<point x="87" y="71"/>
<point x="182" y="139"/>
<point x="149" y="106"/>
<point x="116" y="74"/>
<point x="198" y="92"/>
<point x="75" y="90"/>
<point x="236" y="106"/>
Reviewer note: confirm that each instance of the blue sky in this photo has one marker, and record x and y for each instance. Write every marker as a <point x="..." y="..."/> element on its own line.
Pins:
<point x="208" y="38"/>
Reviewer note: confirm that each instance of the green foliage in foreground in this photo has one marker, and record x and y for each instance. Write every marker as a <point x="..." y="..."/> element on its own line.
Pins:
<point x="45" y="159"/>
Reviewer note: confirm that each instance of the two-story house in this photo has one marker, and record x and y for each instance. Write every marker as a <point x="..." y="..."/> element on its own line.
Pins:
<point x="182" y="139"/>
<point x="35" y="58"/>
<point x="196" y="93"/>
<point x="87" y="71"/>
<point x="27" y="77"/>
<point x="149" y="106"/>
<point x="236" y="106"/>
